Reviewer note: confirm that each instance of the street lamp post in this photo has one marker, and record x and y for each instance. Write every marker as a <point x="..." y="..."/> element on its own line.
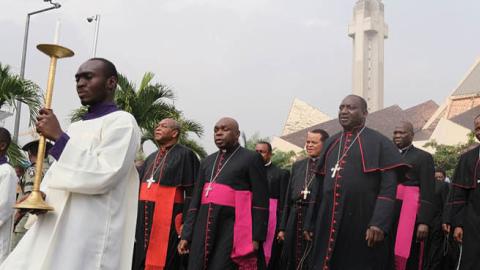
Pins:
<point x="95" y="18"/>
<point x="24" y="58"/>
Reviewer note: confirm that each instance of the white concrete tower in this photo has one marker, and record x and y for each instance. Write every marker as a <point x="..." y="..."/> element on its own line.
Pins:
<point x="368" y="31"/>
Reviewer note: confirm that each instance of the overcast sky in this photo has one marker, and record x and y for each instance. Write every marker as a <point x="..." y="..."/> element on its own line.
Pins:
<point x="247" y="59"/>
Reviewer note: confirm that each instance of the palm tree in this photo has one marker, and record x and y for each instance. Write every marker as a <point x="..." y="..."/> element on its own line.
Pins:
<point x="149" y="104"/>
<point x="13" y="89"/>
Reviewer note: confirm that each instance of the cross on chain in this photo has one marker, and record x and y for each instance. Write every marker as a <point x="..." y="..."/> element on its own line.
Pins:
<point x="150" y="181"/>
<point x="209" y="187"/>
<point x="335" y="169"/>
<point x="305" y="192"/>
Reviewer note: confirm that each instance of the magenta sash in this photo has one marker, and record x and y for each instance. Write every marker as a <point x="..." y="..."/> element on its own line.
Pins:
<point x="272" y="225"/>
<point x="410" y="195"/>
<point x="242" y="250"/>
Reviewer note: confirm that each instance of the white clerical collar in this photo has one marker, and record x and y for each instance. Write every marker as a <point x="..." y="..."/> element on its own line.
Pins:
<point x="405" y="149"/>
<point x="268" y="164"/>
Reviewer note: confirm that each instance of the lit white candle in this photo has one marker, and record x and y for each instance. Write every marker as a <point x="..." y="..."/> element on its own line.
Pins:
<point x="57" y="32"/>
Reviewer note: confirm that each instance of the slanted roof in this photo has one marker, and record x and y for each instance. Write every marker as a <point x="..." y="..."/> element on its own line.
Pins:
<point x="470" y="85"/>
<point x="298" y="138"/>
<point x="384" y="121"/>
<point x="466" y="119"/>
<point x="420" y="114"/>
<point x="303" y="115"/>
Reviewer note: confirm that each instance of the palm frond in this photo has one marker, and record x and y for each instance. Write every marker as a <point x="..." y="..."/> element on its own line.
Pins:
<point x="15" y="155"/>
<point x="13" y="88"/>
<point x="146" y="79"/>
<point x="191" y="126"/>
<point x="77" y="114"/>
<point x="196" y="148"/>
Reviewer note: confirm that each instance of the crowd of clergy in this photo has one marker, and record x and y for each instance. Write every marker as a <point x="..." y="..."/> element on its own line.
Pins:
<point x="357" y="201"/>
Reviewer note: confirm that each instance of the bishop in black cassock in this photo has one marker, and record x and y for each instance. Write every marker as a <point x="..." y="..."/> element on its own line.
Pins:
<point x="227" y="218"/>
<point x="464" y="205"/>
<point x="167" y="179"/>
<point x="304" y="179"/>
<point x="414" y="207"/>
<point x="277" y="186"/>
<point x="357" y="196"/>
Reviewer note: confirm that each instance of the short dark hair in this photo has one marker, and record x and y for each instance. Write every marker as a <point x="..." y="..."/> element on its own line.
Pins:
<point x="110" y="68"/>
<point x="442" y="171"/>
<point x="269" y="146"/>
<point x="321" y="132"/>
<point x="5" y="136"/>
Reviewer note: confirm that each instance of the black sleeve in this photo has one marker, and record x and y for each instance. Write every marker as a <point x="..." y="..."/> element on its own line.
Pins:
<point x="191" y="166"/>
<point x="385" y="204"/>
<point x="191" y="215"/>
<point x="260" y="201"/>
<point x="446" y="213"/>
<point x="458" y="195"/>
<point x="457" y="201"/>
<point x="427" y="191"/>
<point x="286" y="203"/>
<point x="283" y="193"/>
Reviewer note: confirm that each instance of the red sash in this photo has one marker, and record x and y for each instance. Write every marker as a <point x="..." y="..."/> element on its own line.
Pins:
<point x="164" y="197"/>
<point x="242" y="250"/>
<point x="410" y="195"/>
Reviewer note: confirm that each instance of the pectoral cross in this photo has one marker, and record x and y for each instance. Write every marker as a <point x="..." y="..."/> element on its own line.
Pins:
<point x="335" y="169"/>
<point x="207" y="190"/>
<point x="305" y="192"/>
<point x="150" y="181"/>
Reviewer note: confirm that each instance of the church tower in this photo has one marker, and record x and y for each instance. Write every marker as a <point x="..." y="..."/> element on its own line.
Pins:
<point x="368" y="31"/>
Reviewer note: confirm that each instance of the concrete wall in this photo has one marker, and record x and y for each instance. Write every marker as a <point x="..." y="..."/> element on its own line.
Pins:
<point x="449" y="133"/>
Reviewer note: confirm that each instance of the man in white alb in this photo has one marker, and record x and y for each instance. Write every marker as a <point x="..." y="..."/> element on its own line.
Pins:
<point x="93" y="185"/>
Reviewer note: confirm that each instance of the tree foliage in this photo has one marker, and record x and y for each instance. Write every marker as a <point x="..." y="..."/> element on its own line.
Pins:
<point x="280" y="158"/>
<point x="149" y="103"/>
<point x="446" y="156"/>
<point x="13" y="89"/>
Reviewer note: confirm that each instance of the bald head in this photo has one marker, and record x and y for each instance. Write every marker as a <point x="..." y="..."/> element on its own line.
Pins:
<point x="362" y="103"/>
<point x="230" y="122"/>
<point x="403" y="134"/>
<point x="167" y="132"/>
<point x="226" y="133"/>
<point x="407" y="126"/>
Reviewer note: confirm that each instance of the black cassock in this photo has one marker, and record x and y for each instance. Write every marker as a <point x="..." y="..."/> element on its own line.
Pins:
<point x="178" y="168"/>
<point x="209" y="227"/>
<point x="438" y="245"/>
<point x="464" y="207"/>
<point x="420" y="174"/>
<point x="296" y="249"/>
<point x="360" y="195"/>
<point x="277" y="187"/>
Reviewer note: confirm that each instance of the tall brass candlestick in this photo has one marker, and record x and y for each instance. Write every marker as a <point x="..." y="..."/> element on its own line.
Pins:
<point x="35" y="200"/>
